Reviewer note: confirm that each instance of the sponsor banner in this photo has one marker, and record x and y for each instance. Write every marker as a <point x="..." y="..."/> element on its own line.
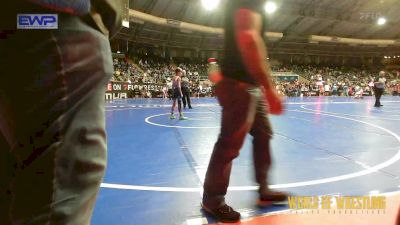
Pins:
<point x="125" y="87"/>
<point x="121" y="90"/>
<point x="285" y="76"/>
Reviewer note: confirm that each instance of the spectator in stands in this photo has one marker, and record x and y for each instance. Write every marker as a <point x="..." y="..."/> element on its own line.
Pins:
<point x="371" y="85"/>
<point x="346" y="90"/>
<point x="335" y="89"/>
<point x="327" y="89"/>
<point x="136" y="92"/>
<point x="199" y="90"/>
<point x="164" y="92"/>
<point x="358" y="92"/>
<point x="169" y="87"/>
<point x="156" y="70"/>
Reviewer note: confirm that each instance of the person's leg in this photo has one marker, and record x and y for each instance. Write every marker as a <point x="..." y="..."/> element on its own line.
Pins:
<point x="238" y="110"/>
<point x="181" y="116"/>
<point x="180" y="105"/>
<point x="376" y="91"/>
<point x="187" y="94"/>
<point x="184" y="98"/>
<point x="6" y="167"/>
<point x="173" y="108"/>
<point x="378" y="95"/>
<point x="173" y="105"/>
<point x="58" y="121"/>
<point x="262" y="134"/>
<point x="381" y="90"/>
<point x="170" y="94"/>
<point x="177" y="97"/>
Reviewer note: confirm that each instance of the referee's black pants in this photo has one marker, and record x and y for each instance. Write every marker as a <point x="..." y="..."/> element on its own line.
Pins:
<point x="186" y="97"/>
<point x="378" y="95"/>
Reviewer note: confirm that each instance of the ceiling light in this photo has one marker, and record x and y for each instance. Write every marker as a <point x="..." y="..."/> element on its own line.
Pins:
<point x="381" y="21"/>
<point x="270" y="7"/>
<point x="125" y="23"/>
<point x="210" y="4"/>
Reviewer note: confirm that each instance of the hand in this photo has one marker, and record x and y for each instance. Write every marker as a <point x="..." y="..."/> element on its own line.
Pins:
<point x="275" y="102"/>
<point x="215" y="77"/>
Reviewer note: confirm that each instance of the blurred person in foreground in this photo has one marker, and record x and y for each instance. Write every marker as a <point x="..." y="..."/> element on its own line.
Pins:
<point x="243" y="93"/>
<point x="398" y="218"/>
<point x="52" y="124"/>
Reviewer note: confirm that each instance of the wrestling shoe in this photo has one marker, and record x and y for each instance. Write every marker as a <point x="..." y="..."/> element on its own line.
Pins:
<point x="224" y="213"/>
<point x="268" y="197"/>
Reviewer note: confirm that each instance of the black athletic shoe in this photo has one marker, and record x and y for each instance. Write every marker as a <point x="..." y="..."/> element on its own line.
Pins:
<point x="380" y="105"/>
<point x="190" y="107"/>
<point x="224" y="213"/>
<point x="269" y="197"/>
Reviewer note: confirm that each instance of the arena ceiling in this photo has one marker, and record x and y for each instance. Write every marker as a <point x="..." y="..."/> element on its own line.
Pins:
<point x="296" y="19"/>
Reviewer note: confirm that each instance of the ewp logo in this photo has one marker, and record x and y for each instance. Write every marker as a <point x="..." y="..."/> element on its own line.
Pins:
<point x="37" y="21"/>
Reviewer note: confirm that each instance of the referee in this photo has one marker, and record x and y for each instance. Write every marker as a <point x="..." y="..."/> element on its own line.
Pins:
<point x="186" y="91"/>
<point x="379" y="88"/>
